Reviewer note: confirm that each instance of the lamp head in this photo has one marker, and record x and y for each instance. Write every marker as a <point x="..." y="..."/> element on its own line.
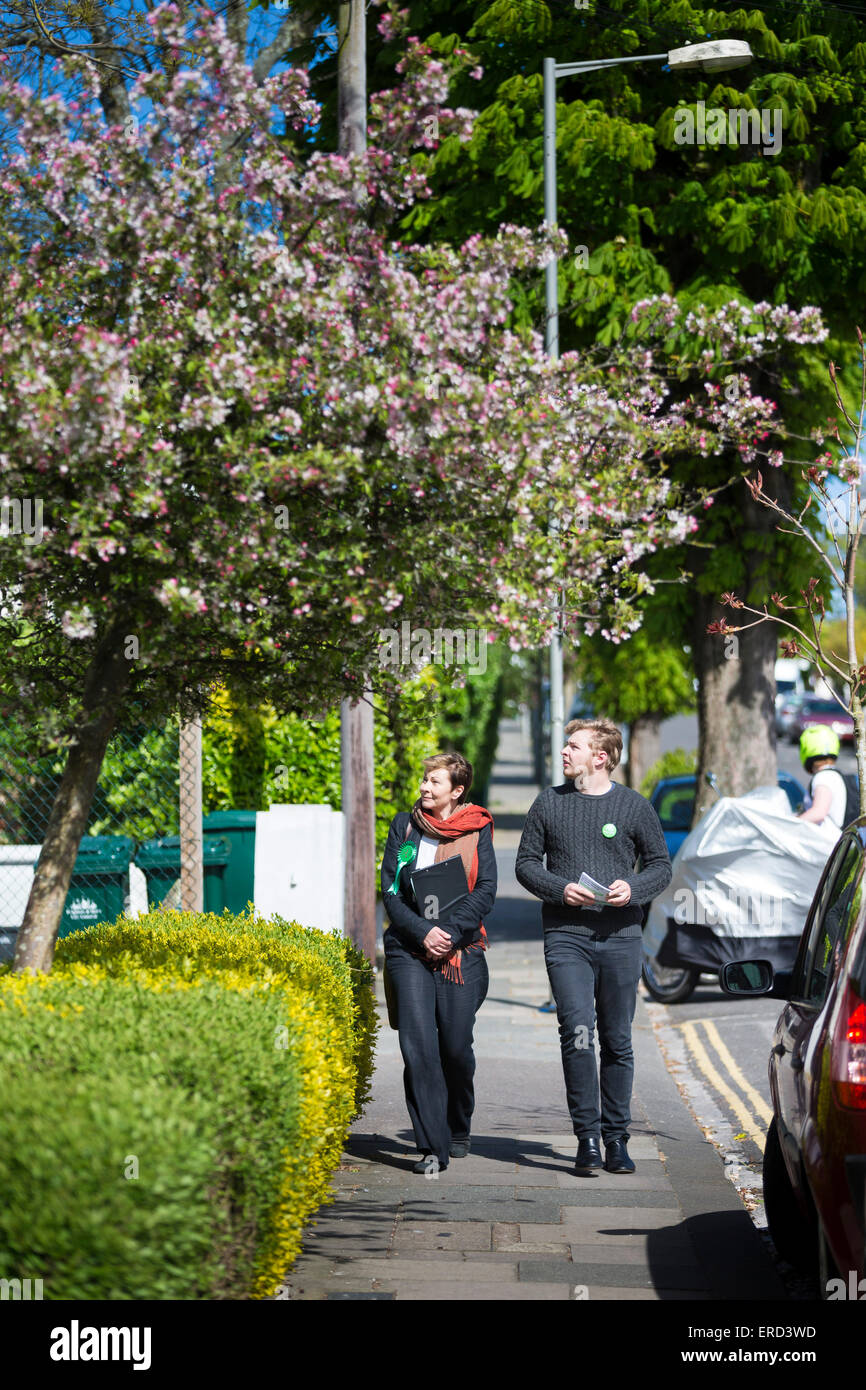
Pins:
<point x="711" y="57"/>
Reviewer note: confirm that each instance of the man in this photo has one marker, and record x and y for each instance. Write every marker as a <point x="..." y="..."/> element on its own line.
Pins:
<point x="593" y="953"/>
<point x="819" y="749"/>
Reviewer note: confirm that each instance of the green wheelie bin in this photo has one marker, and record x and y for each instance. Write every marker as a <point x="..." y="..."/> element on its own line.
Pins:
<point x="159" y="860"/>
<point x="239" y="828"/>
<point x="100" y="882"/>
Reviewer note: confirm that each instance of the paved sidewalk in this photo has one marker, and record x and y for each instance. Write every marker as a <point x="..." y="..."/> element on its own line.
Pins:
<point x="512" y="1221"/>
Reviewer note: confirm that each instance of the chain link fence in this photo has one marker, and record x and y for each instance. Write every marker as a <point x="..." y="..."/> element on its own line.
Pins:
<point x="129" y="859"/>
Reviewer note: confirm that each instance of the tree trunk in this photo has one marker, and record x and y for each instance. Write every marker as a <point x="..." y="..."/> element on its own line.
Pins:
<point x="107" y="680"/>
<point x="644" y="747"/>
<point x="736" y="729"/>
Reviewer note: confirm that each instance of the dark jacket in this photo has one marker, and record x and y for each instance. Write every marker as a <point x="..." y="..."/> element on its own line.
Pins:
<point x="463" y="923"/>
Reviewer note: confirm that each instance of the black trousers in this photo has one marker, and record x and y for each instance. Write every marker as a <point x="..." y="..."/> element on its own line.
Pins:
<point x="595" y="979"/>
<point x="435" y="1022"/>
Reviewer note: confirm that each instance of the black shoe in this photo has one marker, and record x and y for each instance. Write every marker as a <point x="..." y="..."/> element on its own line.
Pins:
<point x="616" y="1158"/>
<point x="459" y="1148"/>
<point x="429" y="1164"/>
<point x="588" y="1154"/>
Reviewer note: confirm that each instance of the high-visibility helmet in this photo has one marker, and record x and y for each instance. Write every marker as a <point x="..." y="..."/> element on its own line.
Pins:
<point x="818" y="742"/>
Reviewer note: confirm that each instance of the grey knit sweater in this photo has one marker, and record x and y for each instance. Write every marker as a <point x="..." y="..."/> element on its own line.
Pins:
<point x="564" y="826"/>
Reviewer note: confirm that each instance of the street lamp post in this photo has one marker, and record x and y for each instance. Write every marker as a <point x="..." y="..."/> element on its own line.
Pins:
<point x="716" y="56"/>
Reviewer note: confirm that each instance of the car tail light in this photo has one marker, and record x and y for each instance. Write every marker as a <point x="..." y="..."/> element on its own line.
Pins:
<point x="848" y="1053"/>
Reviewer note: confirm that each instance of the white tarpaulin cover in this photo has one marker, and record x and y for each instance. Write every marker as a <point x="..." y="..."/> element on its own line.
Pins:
<point x="749" y="868"/>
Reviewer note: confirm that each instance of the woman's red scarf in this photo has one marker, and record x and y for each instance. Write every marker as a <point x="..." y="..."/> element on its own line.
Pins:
<point x="459" y="832"/>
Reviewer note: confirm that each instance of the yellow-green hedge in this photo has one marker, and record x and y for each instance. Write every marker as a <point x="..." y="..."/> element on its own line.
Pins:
<point x="226" y="1056"/>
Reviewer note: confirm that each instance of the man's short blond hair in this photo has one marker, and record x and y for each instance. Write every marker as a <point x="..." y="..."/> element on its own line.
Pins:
<point x="604" y="737"/>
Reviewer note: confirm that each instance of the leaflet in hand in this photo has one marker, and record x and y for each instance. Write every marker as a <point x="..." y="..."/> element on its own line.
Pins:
<point x="598" y="891"/>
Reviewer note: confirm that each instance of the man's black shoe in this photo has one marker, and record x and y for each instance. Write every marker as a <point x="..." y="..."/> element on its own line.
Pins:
<point x="588" y="1154"/>
<point x="429" y="1165"/>
<point x="616" y="1157"/>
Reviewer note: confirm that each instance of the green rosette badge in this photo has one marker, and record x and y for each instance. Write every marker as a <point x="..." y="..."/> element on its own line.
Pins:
<point x="405" y="855"/>
<point x="608" y="831"/>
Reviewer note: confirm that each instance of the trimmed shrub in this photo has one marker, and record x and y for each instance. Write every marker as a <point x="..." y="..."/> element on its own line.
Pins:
<point x="176" y="1096"/>
<point x="324" y="964"/>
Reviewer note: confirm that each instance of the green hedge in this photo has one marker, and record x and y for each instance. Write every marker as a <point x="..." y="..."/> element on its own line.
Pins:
<point x="175" y="1096"/>
<point x="254" y="757"/>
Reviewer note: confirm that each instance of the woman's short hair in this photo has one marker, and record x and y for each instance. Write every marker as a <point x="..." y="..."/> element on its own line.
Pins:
<point x="604" y="737"/>
<point x="458" y="769"/>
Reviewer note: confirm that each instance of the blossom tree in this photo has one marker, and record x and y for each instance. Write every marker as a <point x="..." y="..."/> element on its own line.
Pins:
<point x="835" y="480"/>
<point x="255" y="430"/>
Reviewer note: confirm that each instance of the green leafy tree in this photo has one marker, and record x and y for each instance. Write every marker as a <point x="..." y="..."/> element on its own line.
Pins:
<point x="138" y="789"/>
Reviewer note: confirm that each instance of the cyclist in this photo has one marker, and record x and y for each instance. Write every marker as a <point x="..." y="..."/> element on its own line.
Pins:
<point x="819" y="749"/>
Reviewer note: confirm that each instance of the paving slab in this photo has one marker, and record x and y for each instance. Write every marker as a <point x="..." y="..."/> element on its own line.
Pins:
<point x="623" y="1218"/>
<point x="596" y="1293"/>
<point x="553" y="1250"/>
<point x="611" y="1254"/>
<point x="442" y="1235"/>
<point x="605" y="1197"/>
<point x="650" y="1175"/>
<point x="623" y="1275"/>
<point x="331" y="1246"/>
<point x="608" y="1234"/>
<point x="506" y="1210"/>
<point x="469" y="1194"/>
<point x="546" y="1271"/>
<point x="499" y="1293"/>
<point x="459" y="1271"/>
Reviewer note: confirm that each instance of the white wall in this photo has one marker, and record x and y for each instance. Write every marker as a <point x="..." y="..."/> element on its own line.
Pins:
<point x="299" y="865"/>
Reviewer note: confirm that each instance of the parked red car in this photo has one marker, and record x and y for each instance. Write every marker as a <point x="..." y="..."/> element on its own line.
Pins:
<point x="815" y="1154"/>
<point x="811" y="709"/>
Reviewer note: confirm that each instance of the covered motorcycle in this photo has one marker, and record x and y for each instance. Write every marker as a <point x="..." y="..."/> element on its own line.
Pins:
<point x="743" y="881"/>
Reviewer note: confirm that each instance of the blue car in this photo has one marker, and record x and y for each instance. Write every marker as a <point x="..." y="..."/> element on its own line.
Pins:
<point x="673" y="800"/>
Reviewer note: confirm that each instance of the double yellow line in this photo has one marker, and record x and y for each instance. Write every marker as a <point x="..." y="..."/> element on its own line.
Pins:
<point x="755" y="1128"/>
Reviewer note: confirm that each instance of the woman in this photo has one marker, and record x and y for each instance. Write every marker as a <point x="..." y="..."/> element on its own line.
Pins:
<point x="437" y="970"/>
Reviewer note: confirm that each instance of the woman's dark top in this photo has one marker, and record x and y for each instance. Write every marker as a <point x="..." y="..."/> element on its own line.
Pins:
<point x="463" y="923"/>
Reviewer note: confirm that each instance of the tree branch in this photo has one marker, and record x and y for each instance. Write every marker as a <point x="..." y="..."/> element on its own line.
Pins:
<point x="294" y="29"/>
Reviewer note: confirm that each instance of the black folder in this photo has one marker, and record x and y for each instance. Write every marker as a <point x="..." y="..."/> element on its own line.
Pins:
<point x="438" y="887"/>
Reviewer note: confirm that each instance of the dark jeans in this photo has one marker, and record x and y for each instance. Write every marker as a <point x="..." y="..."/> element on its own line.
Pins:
<point x="435" y="1022"/>
<point x="589" y="974"/>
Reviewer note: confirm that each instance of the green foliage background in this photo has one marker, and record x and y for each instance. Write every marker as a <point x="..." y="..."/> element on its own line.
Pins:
<point x="644" y="676"/>
<point x="675" y="763"/>
<point x="253" y="757"/>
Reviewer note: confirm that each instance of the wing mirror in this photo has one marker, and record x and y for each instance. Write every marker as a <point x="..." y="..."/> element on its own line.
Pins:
<point x="746" y="977"/>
